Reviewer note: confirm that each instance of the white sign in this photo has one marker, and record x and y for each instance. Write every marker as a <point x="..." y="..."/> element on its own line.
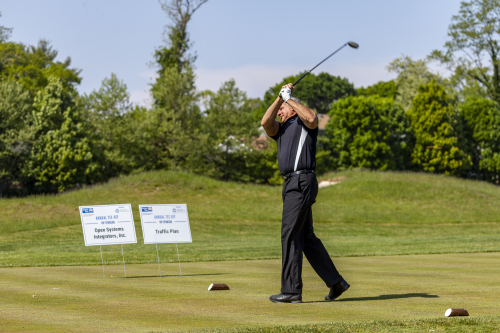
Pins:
<point x="165" y="224"/>
<point x="108" y="224"/>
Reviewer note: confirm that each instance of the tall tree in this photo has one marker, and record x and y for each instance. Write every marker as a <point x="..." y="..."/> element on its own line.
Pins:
<point x="229" y="125"/>
<point x="174" y="121"/>
<point x="32" y="66"/>
<point x="177" y="37"/>
<point x="173" y="124"/>
<point x="440" y="145"/>
<point x="62" y="156"/>
<point x="111" y="100"/>
<point x="411" y="75"/>
<point x="107" y="108"/>
<point x="473" y="50"/>
<point x="481" y="117"/>
<point x="15" y="106"/>
<point x="38" y="112"/>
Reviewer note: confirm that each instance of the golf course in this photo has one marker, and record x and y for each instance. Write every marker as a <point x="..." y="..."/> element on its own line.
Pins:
<point x="411" y="245"/>
<point x="197" y="166"/>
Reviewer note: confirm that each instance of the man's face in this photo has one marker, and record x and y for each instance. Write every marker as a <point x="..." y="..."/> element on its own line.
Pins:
<point x="285" y="112"/>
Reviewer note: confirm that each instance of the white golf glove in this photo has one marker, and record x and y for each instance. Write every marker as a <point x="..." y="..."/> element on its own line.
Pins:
<point x="285" y="94"/>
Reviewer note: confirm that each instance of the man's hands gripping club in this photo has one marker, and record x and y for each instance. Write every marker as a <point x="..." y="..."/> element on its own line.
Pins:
<point x="286" y="93"/>
<point x="307" y="115"/>
<point x="285" y="108"/>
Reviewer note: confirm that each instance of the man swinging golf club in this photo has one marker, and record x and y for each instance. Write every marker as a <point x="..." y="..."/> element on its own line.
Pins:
<point x="296" y="137"/>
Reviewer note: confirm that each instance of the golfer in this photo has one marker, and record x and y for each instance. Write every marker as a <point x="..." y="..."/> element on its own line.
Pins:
<point x="296" y="137"/>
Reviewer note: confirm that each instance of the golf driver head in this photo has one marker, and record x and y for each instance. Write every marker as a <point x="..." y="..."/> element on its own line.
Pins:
<point x="352" y="44"/>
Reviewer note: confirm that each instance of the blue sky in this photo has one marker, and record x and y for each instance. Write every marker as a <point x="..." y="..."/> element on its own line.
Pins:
<point x="255" y="42"/>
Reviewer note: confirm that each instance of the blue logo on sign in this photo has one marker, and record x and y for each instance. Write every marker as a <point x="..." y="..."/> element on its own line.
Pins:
<point x="147" y="209"/>
<point x="174" y="210"/>
<point x="117" y="210"/>
<point x="87" y="210"/>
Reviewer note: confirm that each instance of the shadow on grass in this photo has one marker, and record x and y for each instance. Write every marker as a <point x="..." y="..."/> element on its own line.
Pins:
<point x="170" y="275"/>
<point x="382" y="297"/>
<point x="389" y="296"/>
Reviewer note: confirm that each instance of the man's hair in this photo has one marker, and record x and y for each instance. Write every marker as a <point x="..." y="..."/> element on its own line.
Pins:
<point x="295" y="99"/>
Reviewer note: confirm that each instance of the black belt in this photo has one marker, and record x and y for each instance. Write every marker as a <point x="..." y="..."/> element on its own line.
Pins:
<point x="291" y="174"/>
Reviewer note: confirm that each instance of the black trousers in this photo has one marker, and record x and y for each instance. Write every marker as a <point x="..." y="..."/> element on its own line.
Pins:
<point x="297" y="236"/>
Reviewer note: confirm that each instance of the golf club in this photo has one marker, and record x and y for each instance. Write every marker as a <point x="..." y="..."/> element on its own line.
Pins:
<point x="351" y="44"/>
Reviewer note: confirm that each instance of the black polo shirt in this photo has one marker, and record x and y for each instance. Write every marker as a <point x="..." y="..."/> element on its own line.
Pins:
<point x="296" y="146"/>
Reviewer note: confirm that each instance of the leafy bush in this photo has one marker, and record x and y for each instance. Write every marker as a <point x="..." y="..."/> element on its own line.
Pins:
<point x="229" y="147"/>
<point x="481" y="118"/>
<point x="440" y="145"/>
<point x="382" y="89"/>
<point x="15" y="106"/>
<point x="367" y="132"/>
<point x="62" y="155"/>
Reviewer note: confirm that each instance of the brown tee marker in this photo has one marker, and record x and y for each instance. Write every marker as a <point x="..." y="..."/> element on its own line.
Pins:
<point x="456" y="312"/>
<point x="218" y="286"/>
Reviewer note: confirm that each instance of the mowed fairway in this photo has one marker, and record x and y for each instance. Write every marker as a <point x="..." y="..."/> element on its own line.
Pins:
<point x="79" y="299"/>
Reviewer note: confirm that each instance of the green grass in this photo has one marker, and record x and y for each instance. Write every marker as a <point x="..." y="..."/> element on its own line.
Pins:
<point x="455" y="325"/>
<point x="364" y="222"/>
<point x="369" y="213"/>
<point x="387" y="294"/>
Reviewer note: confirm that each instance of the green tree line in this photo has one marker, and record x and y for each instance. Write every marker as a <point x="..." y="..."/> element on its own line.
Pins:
<point x="54" y="139"/>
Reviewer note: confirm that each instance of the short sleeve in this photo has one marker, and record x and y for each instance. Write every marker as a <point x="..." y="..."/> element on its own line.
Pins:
<point x="275" y="137"/>
<point x="312" y="132"/>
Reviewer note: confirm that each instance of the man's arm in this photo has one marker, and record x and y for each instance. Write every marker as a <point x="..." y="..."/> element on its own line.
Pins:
<point x="271" y="126"/>
<point x="307" y="115"/>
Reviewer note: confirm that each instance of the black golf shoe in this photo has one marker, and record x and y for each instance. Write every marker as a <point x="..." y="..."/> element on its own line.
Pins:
<point x="286" y="298"/>
<point x="337" y="290"/>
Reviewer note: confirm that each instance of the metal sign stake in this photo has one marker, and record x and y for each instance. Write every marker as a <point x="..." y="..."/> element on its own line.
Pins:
<point x="180" y="272"/>
<point x="159" y="267"/>
<point x="124" y="271"/>
<point x="102" y="261"/>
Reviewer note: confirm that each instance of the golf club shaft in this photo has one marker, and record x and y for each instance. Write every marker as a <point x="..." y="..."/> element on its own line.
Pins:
<point x="340" y="48"/>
